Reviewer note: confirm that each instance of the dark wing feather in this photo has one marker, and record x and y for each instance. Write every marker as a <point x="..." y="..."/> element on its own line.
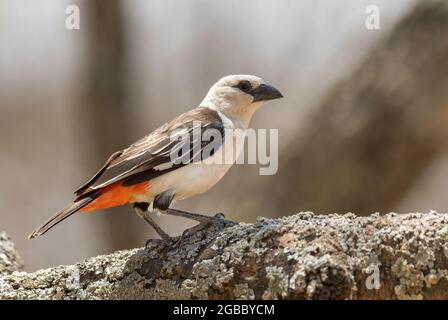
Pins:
<point x="150" y="157"/>
<point x="98" y="174"/>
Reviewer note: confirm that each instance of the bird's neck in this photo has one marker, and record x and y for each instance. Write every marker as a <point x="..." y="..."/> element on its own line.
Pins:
<point x="240" y="115"/>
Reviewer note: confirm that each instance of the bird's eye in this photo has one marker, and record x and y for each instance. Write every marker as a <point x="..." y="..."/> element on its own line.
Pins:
<point x="244" y="86"/>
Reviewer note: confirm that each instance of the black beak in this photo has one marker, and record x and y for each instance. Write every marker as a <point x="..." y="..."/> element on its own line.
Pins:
<point x="265" y="92"/>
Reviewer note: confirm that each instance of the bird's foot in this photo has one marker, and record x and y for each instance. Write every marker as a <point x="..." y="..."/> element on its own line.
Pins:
<point x="207" y="222"/>
<point x="220" y="215"/>
<point x="161" y="242"/>
<point x="191" y="231"/>
<point x="220" y="219"/>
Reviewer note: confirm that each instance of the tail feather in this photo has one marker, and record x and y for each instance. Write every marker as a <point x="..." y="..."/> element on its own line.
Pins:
<point x="61" y="215"/>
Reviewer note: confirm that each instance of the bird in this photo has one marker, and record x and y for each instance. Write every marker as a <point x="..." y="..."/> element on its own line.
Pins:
<point x="170" y="164"/>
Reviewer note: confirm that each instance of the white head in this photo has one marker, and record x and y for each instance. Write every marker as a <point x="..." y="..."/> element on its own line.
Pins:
<point x="239" y="95"/>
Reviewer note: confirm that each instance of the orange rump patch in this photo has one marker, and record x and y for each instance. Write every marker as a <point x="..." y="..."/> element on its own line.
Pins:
<point x="116" y="195"/>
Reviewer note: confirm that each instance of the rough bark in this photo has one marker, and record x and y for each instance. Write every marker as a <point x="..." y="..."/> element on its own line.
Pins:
<point x="304" y="256"/>
<point x="10" y="260"/>
<point x="368" y="141"/>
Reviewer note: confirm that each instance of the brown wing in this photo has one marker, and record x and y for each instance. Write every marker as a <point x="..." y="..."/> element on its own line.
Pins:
<point x="150" y="157"/>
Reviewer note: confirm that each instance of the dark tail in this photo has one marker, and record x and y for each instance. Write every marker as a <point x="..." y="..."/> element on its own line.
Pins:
<point x="61" y="215"/>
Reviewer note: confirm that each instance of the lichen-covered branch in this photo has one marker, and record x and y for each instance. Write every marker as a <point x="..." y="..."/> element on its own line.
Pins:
<point x="302" y="256"/>
<point x="9" y="258"/>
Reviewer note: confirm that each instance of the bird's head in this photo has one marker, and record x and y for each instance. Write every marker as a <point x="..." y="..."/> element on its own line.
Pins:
<point x="240" y="95"/>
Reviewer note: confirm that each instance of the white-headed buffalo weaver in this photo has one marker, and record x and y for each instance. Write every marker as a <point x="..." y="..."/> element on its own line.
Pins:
<point x="146" y="175"/>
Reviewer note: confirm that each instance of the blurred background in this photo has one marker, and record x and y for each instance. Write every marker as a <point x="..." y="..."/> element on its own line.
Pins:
<point x="362" y="127"/>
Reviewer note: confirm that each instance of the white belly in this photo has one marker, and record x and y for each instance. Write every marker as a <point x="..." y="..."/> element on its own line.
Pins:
<point x="194" y="179"/>
<point x="189" y="180"/>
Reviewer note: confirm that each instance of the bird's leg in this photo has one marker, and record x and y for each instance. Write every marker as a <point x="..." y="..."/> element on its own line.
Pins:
<point x="201" y="226"/>
<point x="163" y="201"/>
<point x="141" y="208"/>
<point x="218" y="218"/>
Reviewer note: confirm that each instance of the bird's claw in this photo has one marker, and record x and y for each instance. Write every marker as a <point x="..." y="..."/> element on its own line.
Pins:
<point x="157" y="242"/>
<point x="220" y="215"/>
<point x="206" y="224"/>
<point x="223" y="220"/>
<point x="191" y="231"/>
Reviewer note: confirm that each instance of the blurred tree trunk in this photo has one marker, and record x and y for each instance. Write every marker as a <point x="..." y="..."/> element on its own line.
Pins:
<point x="375" y="133"/>
<point x="106" y="92"/>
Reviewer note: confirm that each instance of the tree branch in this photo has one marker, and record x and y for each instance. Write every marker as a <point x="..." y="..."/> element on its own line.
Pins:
<point x="302" y="256"/>
<point x="9" y="258"/>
